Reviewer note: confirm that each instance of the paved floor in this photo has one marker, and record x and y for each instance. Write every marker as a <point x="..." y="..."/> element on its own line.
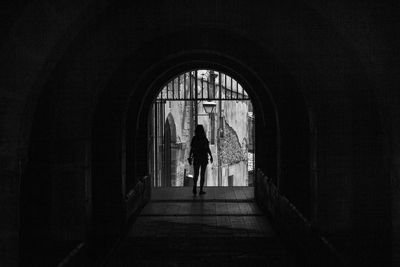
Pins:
<point x="224" y="227"/>
<point x="215" y="194"/>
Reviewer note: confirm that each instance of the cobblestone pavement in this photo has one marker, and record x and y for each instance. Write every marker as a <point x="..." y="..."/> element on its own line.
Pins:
<point x="221" y="228"/>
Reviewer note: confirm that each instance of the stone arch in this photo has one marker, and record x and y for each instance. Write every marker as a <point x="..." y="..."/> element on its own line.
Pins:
<point x="171" y="121"/>
<point x="276" y="157"/>
<point x="115" y="158"/>
<point x="170" y="151"/>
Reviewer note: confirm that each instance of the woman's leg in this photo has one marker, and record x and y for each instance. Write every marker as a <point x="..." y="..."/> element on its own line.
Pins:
<point x="202" y="176"/>
<point x="196" y="176"/>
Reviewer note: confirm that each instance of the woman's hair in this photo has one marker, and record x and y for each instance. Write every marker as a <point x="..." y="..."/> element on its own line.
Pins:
<point x="200" y="131"/>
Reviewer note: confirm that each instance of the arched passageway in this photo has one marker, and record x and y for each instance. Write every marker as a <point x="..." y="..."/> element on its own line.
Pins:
<point x="273" y="156"/>
<point x="178" y="227"/>
<point x="118" y="164"/>
<point x="86" y="171"/>
<point x="284" y="146"/>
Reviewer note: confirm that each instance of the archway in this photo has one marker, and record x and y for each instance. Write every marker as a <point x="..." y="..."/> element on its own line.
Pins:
<point x="170" y="153"/>
<point x="119" y="133"/>
<point x="223" y="107"/>
<point x="167" y="162"/>
<point x="282" y="121"/>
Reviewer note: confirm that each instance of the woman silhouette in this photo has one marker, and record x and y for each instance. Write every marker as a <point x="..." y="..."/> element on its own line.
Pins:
<point x="199" y="151"/>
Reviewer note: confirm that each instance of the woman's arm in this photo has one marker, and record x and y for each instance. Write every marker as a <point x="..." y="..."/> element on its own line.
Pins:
<point x="191" y="148"/>
<point x="209" y="152"/>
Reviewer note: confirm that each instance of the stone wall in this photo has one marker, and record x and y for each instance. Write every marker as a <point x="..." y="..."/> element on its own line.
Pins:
<point x="230" y="150"/>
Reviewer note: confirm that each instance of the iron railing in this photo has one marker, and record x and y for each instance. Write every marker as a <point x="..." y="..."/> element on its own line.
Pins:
<point x="202" y="85"/>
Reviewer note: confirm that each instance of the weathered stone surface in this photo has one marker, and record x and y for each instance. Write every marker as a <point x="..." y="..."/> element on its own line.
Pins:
<point x="230" y="150"/>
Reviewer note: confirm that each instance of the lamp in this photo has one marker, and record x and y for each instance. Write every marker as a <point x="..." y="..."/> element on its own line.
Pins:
<point x="209" y="106"/>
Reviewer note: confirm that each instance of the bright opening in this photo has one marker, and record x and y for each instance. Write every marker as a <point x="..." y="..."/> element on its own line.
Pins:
<point x="219" y="103"/>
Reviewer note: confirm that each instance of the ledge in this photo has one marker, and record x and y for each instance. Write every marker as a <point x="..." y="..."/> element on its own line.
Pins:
<point x="297" y="232"/>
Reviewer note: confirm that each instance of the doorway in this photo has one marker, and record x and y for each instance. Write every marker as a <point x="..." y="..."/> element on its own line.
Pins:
<point x="219" y="103"/>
